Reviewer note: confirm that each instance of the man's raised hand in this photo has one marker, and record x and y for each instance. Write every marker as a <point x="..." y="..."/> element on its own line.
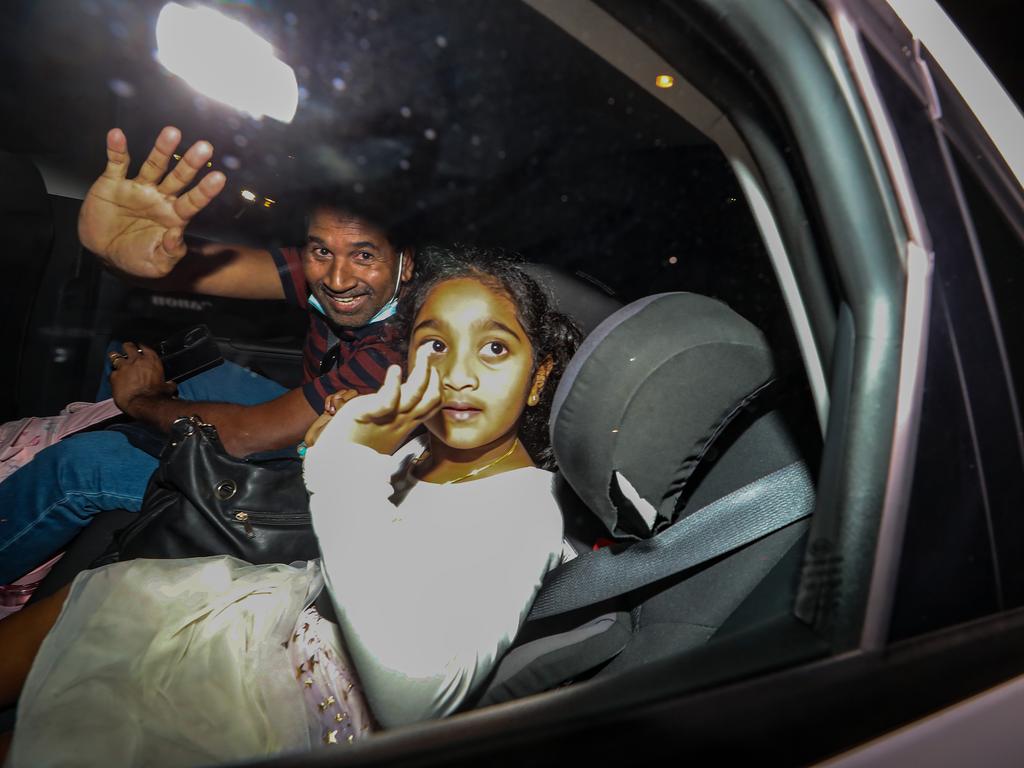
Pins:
<point x="137" y="225"/>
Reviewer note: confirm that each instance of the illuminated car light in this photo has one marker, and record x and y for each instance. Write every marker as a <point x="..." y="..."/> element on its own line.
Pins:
<point x="226" y="61"/>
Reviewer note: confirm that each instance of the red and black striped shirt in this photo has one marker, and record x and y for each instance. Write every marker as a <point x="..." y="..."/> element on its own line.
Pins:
<point x="364" y="354"/>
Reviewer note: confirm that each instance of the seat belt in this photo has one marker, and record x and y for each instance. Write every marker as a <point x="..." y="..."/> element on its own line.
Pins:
<point x="747" y="514"/>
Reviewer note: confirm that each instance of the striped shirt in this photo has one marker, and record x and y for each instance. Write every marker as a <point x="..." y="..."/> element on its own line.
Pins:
<point x="364" y="354"/>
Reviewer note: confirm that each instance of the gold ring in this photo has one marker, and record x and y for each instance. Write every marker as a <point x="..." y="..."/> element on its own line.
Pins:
<point x="114" y="356"/>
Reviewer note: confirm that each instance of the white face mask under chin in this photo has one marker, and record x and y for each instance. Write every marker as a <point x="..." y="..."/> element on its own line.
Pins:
<point x="381" y="314"/>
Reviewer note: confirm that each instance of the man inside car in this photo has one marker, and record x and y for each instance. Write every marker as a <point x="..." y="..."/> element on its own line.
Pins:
<point x="347" y="276"/>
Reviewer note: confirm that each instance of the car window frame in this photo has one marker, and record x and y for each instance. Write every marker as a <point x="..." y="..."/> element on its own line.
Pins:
<point x="903" y="57"/>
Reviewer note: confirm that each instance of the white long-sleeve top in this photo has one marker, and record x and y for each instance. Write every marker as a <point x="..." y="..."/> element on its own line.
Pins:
<point x="430" y="582"/>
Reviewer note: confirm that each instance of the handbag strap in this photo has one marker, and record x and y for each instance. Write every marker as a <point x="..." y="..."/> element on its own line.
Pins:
<point x="752" y="512"/>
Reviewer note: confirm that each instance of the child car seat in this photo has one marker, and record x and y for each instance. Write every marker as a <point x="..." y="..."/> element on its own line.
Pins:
<point x="669" y="428"/>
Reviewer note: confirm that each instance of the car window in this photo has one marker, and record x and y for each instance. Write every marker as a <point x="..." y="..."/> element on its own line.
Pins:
<point x="479" y="123"/>
<point x="961" y="544"/>
<point x="1001" y="253"/>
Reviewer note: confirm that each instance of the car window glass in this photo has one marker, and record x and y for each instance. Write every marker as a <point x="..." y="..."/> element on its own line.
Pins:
<point x="1001" y="255"/>
<point x="476" y="123"/>
<point x="481" y="123"/>
<point x="1002" y="252"/>
<point x="962" y="528"/>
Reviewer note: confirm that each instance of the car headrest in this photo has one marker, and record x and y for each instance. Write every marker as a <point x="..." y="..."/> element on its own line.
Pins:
<point x="644" y="397"/>
<point x="583" y="301"/>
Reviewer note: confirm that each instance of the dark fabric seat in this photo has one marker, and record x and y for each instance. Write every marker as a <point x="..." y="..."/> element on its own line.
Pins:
<point x="670" y="404"/>
<point x="580" y="299"/>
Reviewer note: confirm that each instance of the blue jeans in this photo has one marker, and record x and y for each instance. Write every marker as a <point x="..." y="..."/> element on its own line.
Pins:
<point x="48" y="501"/>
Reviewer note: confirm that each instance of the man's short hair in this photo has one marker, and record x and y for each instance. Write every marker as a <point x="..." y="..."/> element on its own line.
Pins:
<point x="387" y="211"/>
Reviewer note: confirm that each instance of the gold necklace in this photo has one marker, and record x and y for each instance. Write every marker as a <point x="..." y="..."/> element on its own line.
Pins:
<point x="473" y="472"/>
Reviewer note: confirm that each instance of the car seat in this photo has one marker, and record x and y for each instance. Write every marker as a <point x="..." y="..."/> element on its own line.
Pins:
<point x="668" y="417"/>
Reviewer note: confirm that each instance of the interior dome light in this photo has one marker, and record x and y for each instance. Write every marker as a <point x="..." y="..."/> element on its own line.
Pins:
<point x="225" y="60"/>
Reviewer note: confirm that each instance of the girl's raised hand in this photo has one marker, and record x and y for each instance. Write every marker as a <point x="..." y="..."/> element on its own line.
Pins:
<point x="384" y="419"/>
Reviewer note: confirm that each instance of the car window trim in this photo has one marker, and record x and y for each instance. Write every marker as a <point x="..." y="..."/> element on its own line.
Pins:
<point x="997" y="115"/>
<point x="853" y="24"/>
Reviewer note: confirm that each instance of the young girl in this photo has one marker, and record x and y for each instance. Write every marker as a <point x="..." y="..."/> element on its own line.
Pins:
<point x="433" y="550"/>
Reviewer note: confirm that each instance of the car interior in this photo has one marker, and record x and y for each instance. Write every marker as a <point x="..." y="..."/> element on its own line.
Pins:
<point x="718" y="432"/>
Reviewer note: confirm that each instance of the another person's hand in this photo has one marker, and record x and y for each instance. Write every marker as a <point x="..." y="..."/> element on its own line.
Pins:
<point x="384" y="419"/>
<point x="335" y="400"/>
<point x="137" y="375"/>
<point x="332" y="403"/>
<point x="137" y="225"/>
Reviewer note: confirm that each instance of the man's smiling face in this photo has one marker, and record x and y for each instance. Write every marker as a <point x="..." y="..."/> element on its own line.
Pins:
<point x="351" y="267"/>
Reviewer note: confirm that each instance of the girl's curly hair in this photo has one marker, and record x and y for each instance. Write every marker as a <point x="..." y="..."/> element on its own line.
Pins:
<point x="552" y="334"/>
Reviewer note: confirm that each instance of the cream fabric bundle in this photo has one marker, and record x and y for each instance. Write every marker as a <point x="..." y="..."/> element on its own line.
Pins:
<point x="175" y="663"/>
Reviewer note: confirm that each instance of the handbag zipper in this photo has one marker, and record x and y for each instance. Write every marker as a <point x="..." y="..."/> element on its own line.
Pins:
<point x="268" y="518"/>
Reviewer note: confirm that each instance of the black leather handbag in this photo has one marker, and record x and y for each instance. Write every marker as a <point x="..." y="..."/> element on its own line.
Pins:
<point x="202" y="501"/>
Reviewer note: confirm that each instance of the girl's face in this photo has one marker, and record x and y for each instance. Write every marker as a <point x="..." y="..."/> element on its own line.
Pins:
<point x="484" y="359"/>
